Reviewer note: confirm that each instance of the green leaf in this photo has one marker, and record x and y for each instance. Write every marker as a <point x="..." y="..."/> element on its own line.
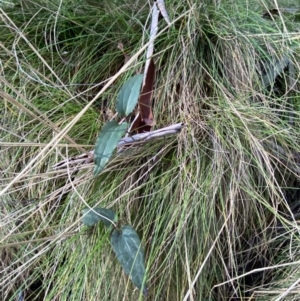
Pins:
<point x="129" y="95"/>
<point x="106" y="143"/>
<point x="127" y="247"/>
<point x="92" y="216"/>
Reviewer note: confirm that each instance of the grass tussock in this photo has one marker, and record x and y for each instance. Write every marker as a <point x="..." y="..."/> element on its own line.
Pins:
<point x="217" y="206"/>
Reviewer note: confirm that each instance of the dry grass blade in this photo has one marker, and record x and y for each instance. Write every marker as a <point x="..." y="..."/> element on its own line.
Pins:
<point x="162" y="8"/>
<point x="153" y="34"/>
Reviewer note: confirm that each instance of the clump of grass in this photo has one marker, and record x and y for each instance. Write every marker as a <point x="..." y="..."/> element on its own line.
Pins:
<point x="216" y="206"/>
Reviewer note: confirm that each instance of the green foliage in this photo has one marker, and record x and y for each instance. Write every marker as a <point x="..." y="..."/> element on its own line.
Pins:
<point x="93" y="216"/>
<point x="236" y="164"/>
<point x="127" y="247"/>
<point x="106" y="143"/>
<point x="112" y="132"/>
<point x="125" y="243"/>
<point x="129" y="95"/>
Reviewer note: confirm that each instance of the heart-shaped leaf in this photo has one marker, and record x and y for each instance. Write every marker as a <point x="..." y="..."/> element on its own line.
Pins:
<point x="129" y="95"/>
<point x="127" y="247"/>
<point x="92" y="216"/>
<point x="106" y="143"/>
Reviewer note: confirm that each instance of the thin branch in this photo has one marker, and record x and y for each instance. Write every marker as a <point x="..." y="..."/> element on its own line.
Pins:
<point x="135" y="139"/>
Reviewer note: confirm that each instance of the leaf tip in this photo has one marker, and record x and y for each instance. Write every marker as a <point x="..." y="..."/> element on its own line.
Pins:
<point x="97" y="170"/>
